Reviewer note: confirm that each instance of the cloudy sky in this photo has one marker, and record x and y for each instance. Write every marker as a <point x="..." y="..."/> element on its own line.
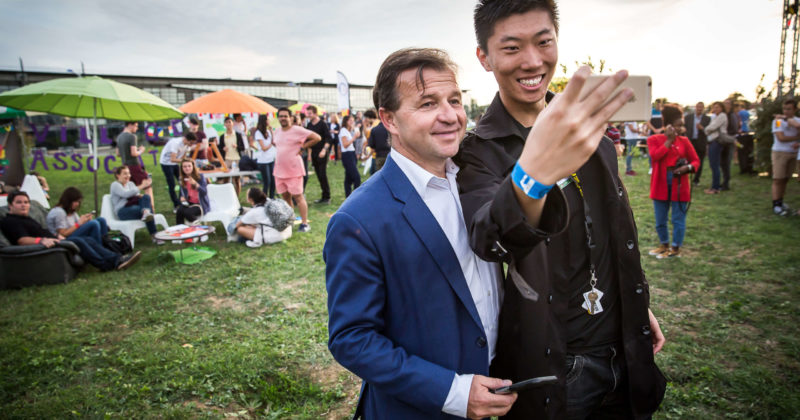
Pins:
<point x="693" y="49"/>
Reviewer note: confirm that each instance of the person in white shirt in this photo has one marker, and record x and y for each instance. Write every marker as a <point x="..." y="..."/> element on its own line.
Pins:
<point x="170" y="157"/>
<point x="412" y="310"/>
<point x="632" y="136"/>
<point x="785" y="145"/>
<point x="265" y="154"/>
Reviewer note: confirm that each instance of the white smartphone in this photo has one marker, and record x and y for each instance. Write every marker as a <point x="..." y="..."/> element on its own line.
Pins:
<point x="638" y="108"/>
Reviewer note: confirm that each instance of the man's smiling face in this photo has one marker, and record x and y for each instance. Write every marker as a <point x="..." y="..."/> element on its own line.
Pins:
<point x="522" y="54"/>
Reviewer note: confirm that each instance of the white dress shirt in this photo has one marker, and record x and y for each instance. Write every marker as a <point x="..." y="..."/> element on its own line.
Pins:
<point x="441" y="197"/>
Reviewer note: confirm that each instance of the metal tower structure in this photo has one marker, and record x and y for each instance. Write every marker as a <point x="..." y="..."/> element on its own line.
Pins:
<point x="789" y="27"/>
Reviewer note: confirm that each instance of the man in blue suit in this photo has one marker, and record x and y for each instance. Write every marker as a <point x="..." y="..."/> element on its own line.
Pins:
<point x="412" y="310"/>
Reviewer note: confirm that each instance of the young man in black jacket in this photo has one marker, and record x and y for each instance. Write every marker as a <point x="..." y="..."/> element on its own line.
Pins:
<point x="540" y="191"/>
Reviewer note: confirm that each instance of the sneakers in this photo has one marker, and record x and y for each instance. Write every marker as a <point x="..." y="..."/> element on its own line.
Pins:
<point x="630" y="173"/>
<point x="304" y="228"/>
<point x="673" y="252"/>
<point x="781" y="210"/>
<point x="147" y="215"/>
<point x="660" y="250"/>
<point x="251" y="244"/>
<point x="127" y="261"/>
<point x="711" y="191"/>
<point x="323" y="201"/>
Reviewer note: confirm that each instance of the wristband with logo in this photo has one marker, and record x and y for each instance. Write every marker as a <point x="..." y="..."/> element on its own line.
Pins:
<point x="531" y="187"/>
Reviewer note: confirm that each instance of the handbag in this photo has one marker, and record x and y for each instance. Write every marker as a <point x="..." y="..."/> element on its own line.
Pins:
<point x="725" y="138"/>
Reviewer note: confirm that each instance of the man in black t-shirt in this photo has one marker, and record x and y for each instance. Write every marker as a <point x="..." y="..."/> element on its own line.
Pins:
<point x="21" y="229"/>
<point x="320" y="152"/>
<point x="379" y="143"/>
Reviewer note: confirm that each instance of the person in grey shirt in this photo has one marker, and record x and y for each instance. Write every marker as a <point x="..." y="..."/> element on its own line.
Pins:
<point x="129" y="153"/>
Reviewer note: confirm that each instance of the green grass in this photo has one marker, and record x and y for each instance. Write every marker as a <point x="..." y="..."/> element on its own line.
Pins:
<point x="244" y="333"/>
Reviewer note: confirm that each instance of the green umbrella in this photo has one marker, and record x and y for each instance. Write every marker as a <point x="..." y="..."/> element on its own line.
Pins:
<point x="90" y="97"/>
<point x="75" y="97"/>
<point x="10" y="113"/>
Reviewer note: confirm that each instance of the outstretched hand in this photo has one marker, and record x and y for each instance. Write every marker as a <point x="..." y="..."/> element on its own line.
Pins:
<point x="571" y="127"/>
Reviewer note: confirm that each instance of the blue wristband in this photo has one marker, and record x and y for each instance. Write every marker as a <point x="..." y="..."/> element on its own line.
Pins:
<point x="531" y="187"/>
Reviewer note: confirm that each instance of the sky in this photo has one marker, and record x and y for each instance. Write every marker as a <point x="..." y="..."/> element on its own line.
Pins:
<point x="693" y="49"/>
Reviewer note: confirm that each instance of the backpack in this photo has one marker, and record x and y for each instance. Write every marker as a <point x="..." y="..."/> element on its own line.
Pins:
<point x="118" y="243"/>
<point x="279" y="213"/>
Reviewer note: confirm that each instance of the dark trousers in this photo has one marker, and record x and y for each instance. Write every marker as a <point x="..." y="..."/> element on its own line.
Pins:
<point x="188" y="213"/>
<point x="597" y="385"/>
<point x="171" y="173"/>
<point x="700" y="146"/>
<point x="725" y="158"/>
<point x="714" y="156"/>
<point x="321" y="169"/>
<point x="267" y="180"/>
<point x="95" y="253"/>
<point x="352" y="179"/>
<point x="745" y="153"/>
<point x="305" y="165"/>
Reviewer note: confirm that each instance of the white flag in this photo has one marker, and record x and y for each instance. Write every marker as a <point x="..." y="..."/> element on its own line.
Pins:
<point x="343" y="89"/>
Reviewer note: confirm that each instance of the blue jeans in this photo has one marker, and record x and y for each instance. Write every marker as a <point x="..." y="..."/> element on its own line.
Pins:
<point x="94" y="229"/>
<point x="662" y="208"/>
<point x="597" y="385"/>
<point x="714" y="161"/>
<point x="171" y="173"/>
<point x="352" y="179"/>
<point x="134" y="212"/>
<point x="267" y="180"/>
<point x="95" y="253"/>
<point x="631" y="144"/>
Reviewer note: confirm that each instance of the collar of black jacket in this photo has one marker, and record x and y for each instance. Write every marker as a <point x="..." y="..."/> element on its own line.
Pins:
<point x="498" y="123"/>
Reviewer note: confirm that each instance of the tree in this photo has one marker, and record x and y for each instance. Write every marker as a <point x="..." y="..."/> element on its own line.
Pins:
<point x="558" y="83"/>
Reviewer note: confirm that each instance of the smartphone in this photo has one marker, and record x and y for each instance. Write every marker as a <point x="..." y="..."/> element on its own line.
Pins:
<point x="526" y="384"/>
<point x="638" y="108"/>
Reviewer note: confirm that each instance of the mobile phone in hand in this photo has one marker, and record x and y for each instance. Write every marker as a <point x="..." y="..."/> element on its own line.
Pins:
<point x="638" y="108"/>
<point x="526" y="384"/>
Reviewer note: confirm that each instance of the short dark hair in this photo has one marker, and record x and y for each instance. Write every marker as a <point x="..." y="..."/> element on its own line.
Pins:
<point x="312" y="109"/>
<point x="13" y="194"/>
<point x="190" y="136"/>
<point x="69" y="196"/>
<point x="670" y="113"/>
<point x="119" y="170"/>
<point x="257" y="195"/>
<point x="791" y="101"/>
<point x="370" y="114"/>
<point x="227" y="118"/>
<point x="283" y="108"/>
<point x="488" y="12"/>
<point x="193" y="120"/>
<point x="127" y="123"/>
<point x="384" y="95"/>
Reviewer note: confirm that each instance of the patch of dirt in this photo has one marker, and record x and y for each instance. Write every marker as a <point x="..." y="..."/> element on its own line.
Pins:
<point x="328" y="377"/>
<point x="224" y="303"/>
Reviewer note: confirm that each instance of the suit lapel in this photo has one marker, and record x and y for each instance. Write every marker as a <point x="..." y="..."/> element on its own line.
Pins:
<point x="421" y="220"/>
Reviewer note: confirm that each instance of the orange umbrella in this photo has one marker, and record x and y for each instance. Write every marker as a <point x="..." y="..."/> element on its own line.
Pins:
<point x="227" y="101"/>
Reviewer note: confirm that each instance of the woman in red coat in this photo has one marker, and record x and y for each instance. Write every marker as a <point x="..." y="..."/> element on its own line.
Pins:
<point x="670" y="187"/>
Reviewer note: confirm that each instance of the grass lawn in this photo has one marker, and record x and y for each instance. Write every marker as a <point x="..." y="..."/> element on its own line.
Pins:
<point x="244" y="334"/>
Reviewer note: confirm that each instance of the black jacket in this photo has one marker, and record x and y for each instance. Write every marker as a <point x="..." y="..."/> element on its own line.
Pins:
<point x="224" y="142"/>
<point x="531" y="337"/>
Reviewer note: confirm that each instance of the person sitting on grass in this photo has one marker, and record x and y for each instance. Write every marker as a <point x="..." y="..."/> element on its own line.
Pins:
<point x="21" y="229"/>
<point x="127" y="201"/>
<point x="64" y="220"/>
<point x="194" y="195"/>
<point x="254" y="228"/>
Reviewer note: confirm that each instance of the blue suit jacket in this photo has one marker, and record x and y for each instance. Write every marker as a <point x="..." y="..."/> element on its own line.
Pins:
<point x="401" y="316"/>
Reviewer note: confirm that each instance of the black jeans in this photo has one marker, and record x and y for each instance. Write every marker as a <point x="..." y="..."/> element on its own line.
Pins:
<point x="187" y="213"/>
<point x="700" y="146"/>
<point x="267" y="180"/>
<point x="321" y="169"/>
<point x="597" y="385"/>
<point x="352" y="179"/>
<point x="171" y="173"/>
<point x="745" y="153"/>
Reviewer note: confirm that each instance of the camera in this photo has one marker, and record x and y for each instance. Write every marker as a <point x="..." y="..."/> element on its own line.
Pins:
<point x="680" y="163"/>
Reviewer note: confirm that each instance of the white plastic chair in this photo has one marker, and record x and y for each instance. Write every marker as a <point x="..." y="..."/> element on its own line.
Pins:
<point x="34" y="189"/>
<point x="127" y="227"/>
<point x="224" y="204"/>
